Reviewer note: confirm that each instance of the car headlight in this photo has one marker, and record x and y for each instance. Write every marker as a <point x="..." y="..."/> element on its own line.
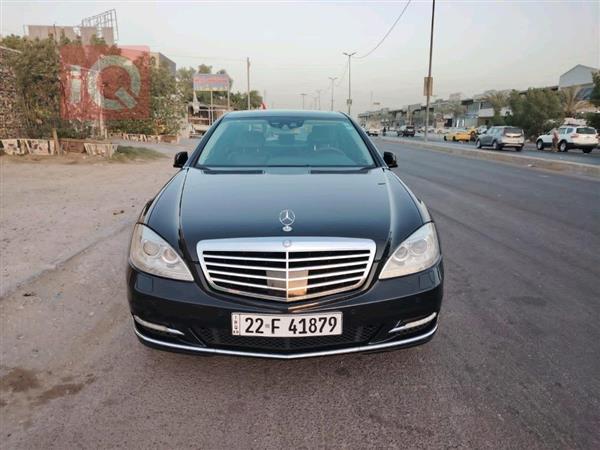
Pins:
<point x="418" y="252"/>
<point x="152" y="254"/>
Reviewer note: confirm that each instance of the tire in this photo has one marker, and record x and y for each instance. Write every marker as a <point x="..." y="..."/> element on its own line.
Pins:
<point x="562" y="146"/>
<point x="539" y="145"/>
<point x="496" y="145"/>
<point x="453" y="138"/>
<point x="518" y="149"/>
<point x="445" y="138"/>
<point x="587" y="150"/>
<point x="478" y="143"/>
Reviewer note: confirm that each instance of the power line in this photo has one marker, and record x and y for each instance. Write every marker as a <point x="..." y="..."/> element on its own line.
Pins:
<point x="386" y="34"/>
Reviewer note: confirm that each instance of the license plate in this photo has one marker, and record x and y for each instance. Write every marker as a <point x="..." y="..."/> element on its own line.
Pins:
<point x="288" y="325"/>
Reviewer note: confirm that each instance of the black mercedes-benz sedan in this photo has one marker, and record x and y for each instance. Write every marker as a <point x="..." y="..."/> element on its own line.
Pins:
<point x="285" y="235"/>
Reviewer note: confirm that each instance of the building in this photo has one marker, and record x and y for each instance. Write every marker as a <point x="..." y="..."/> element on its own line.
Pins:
<point x="158" y="59"/>
<point x="475" y="111"/>
<point x="73" y="33"/>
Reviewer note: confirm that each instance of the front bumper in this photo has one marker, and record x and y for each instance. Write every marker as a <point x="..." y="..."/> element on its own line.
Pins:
<point x="185" y="317"/>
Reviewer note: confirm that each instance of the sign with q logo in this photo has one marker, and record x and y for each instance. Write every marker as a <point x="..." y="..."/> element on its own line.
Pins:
<point x="108" y="82"/>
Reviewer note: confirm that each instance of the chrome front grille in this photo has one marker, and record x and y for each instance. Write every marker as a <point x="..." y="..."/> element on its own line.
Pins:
<point x="286" y="269"/>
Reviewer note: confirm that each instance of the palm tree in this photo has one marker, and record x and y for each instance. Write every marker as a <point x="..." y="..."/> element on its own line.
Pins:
<point x="498" y="100"/>
<point x="570" y="103"/>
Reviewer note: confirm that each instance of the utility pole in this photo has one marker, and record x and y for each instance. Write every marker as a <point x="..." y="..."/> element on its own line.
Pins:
<point x="303" y="97"/>
<point x="319" y="96"/>
<point x="248" y="79"/>
<point x="332" y="85"/>
<point x="349" y="100"/>
<point x="429" y="81"/>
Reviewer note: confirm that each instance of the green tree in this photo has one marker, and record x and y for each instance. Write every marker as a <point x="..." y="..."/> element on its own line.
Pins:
<point x="239" y="100"/>
<point x="570" y="102"/>
<point x="185" y="83"/>
<point x="203" y="68"/>
<point x="36" y="71"/>
<point x="536" y="111"/>
<point x="595" y="95"/>
<point x="498" y="100"/>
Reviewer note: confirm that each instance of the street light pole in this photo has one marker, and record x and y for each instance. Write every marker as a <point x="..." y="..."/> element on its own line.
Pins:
<point x="319" y="97"/>
<point x="332" y="85"/>
<point x="303" y="97"/>
<point x="429" y="84"/>
<point x="349" y="101"/>
<point x="248" y="79"/>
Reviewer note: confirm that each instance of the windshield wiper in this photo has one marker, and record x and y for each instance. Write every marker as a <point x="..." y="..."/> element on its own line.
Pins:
<point x="234" y="170"/>
<point x="343" y="170"/>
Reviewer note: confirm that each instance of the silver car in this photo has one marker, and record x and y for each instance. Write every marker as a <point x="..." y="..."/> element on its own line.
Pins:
<point x="499" y="137"/>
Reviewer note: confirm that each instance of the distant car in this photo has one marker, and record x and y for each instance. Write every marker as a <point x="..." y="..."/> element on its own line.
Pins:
<point x="458" y="134"/>
<point x="373" y="131"/>
<point x="408" y="130"/>
<point x="570" y="136"/>
<point x="499" y="137"/>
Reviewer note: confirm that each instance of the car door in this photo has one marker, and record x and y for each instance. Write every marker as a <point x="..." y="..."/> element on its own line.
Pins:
<point x="567" y="134"/>
<point x="489" y="136"/>
<point x="547" y="138"/>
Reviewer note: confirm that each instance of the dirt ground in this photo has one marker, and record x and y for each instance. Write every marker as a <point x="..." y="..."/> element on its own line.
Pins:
<point x="53" y="210"/>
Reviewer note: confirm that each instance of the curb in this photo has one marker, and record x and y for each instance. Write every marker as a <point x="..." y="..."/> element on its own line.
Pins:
<point x="527" y="161"/>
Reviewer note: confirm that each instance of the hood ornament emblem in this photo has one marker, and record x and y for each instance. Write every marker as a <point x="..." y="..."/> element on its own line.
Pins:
<point x="287" y="218"/>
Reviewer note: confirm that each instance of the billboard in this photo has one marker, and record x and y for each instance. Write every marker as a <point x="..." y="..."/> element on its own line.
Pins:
<point x="211" y="82"/>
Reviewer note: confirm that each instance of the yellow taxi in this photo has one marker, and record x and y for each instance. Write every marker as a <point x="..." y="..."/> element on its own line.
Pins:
<point x="458" y="134"/>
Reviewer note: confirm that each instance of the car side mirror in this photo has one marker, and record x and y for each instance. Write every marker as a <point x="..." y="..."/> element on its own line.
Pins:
<point x="390" y="159"/>
<point x="180" y="159"/>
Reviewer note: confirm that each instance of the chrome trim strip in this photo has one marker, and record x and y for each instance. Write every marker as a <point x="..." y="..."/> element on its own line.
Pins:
<point x="416" y="323"/>
<point x="241" y="283"/>
<point x="286" y="246"/>
<point x="157" y="327"/>
<point x="363" y="348"/>
<point x="237" y="266"/>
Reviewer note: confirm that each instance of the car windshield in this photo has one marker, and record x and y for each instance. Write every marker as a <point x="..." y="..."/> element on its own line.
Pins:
<point x="512" y="130"/>
<point x="586" y="130"/>
<point x="285" y="141"/>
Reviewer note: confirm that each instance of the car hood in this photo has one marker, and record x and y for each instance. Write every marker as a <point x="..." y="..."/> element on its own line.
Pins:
<point x="369" y="204"/>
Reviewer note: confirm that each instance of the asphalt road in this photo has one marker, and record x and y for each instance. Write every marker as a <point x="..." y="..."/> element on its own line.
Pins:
<point x="515" y="363"/>
<point x="573" y="155"/>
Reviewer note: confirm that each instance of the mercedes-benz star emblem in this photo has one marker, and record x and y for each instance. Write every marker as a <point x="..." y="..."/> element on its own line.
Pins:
<point x="287" y="218"/>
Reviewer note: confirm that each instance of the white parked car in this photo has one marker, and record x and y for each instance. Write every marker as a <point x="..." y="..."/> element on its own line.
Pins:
<point x="570" y="136"/>
<point x="373" y="131"/>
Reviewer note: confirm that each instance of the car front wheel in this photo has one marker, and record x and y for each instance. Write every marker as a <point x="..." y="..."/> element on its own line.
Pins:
<point x="497" y="146"/>
<point x="563" y="146"/>
<point x="539" y="144"/>
<point x="519" y="148"/>
<point x="587" y="150"/>
<point x="478" y="143"/>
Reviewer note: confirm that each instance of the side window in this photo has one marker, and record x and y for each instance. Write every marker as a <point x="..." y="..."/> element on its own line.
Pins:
<point x="562" y="130"/>
<point x="570" y="130"/>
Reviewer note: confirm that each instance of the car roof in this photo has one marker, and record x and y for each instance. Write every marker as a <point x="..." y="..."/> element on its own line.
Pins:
<point x="303" y="113"/>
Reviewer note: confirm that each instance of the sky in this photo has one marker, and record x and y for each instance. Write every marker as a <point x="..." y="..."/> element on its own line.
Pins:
<point x="295" y="46"/>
